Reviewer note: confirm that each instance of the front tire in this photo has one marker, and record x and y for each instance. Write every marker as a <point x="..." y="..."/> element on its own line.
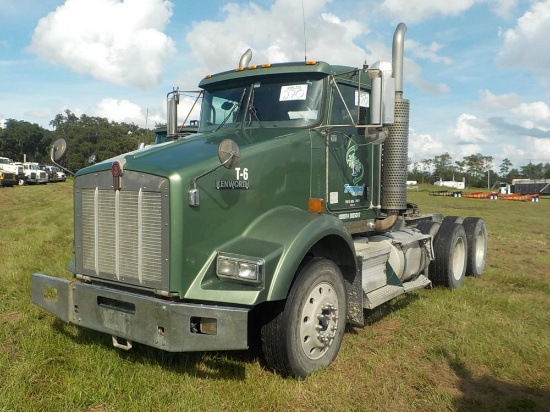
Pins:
<point x="306" y="333"/>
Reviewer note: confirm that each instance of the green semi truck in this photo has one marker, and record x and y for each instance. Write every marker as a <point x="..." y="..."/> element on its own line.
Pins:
<point x="284" y="217"/>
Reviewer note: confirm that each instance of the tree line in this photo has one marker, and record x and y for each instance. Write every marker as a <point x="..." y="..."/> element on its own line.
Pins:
<point x="88" y="135"/>
<point x="85" y="135"/>
<point x="476" y="169"/>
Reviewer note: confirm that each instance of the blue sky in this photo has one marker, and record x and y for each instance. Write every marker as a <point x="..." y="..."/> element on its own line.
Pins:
<point x="476" y="71"/>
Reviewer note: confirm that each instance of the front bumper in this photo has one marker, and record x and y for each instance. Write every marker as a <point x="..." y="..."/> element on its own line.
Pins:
<point x="9" y="180"/>
<point x="155" y="322"/>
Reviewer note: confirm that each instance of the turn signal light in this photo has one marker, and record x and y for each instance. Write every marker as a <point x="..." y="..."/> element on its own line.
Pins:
<point x="315" y="205"/>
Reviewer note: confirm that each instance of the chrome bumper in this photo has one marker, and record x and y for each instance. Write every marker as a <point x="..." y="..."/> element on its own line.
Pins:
<point x="166" y="325"/>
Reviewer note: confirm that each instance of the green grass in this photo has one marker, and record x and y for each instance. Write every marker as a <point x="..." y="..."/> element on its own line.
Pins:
<point x="484" y="346"/>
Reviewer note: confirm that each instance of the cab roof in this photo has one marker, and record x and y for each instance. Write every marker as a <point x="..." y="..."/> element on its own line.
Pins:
<point x="318" y="67"/>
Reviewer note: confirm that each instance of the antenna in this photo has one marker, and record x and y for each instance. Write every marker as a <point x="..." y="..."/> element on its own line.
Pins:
<point x="305" y="37"/>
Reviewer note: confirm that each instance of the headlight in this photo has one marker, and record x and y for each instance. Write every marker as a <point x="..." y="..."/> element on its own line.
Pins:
<point x="240" y="268"/>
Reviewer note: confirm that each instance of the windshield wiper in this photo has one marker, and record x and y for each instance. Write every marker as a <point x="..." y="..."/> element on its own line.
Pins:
<point x="235" y="105"/>
<point x="251" y="109"/>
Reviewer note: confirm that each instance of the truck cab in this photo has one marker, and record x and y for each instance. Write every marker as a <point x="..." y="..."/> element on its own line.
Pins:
<point x="34" y="174"/>
<point x="8" y="172"/>
<point x="285" y="215"/>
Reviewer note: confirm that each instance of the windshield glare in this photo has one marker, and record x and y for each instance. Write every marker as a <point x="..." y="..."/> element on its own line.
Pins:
<point x="264" y="103"/>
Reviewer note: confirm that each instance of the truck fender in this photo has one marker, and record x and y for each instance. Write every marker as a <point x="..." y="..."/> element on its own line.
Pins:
<point x="301" y="234"/>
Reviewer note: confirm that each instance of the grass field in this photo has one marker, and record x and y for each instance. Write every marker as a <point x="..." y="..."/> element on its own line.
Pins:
<point x="482" y="347"/>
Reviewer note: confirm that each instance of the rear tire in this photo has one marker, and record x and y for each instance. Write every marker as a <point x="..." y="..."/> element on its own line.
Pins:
<point x="306" y="333"/>
<point x="451" y="219"/>
<point x="429" y="227"/>
<point x="450" y="249"/>
<point x="476" y="233"/>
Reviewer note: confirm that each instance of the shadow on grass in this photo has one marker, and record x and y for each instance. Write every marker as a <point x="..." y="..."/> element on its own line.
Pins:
<point x="222" y="365"/>
<point x="377" y="314"/>
<point x="489" y="394"/>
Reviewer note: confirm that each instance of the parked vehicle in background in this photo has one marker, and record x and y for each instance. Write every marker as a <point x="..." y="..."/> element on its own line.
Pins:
<point x="61" y="176"/>
<point x="54" y="174"/>
<point x="33" y="173"/>
<point x="7" y="178"/>
<point x="8" y="172"/>
<point x="21" y="176"/>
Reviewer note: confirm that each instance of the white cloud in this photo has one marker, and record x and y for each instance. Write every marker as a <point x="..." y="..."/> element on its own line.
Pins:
<point x="419" y="10"/>
<point x="121" y="42"/>
<point x="424" y="146"/>
<point x="276" y="35"/>
<point x="429" y="52"/>
<point x="535" y="115"/>
<point x="503" y="8"/>
<point x="469" y="129"/>
<point x="494" y="102"/>
<point x="523" y="45"/>
<point x="536" y="150"/>
<point x="119" y="111"/>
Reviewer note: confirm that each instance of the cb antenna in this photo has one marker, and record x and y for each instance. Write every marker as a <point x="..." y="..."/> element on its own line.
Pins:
<point x="305" y="37"/>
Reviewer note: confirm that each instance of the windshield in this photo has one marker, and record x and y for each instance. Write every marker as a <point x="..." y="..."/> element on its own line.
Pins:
<point x="269" y="102"/>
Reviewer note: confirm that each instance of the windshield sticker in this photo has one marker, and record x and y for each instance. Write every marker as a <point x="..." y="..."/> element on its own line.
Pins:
<point x="362" y="100"/>
<point x="293" y="92"/>
<point x="304" y="114"/>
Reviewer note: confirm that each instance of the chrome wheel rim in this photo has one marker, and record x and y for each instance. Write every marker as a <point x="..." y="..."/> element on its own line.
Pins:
<point x="319" y="321"/>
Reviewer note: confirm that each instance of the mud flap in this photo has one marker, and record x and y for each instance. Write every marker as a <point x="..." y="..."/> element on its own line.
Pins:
<point x="354" y="290"/>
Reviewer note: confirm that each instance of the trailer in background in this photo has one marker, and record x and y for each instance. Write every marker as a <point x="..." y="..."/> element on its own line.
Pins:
<point x="530" y="186"/>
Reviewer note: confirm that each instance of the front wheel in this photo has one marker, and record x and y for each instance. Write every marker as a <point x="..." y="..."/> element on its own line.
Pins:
<point x="306" y="333"/>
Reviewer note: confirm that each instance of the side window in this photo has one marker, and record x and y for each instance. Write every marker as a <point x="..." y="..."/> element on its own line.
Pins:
<point x="349" y="106"/>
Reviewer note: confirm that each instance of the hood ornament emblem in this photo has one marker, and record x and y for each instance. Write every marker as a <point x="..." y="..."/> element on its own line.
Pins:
<point x="116" y="172"/>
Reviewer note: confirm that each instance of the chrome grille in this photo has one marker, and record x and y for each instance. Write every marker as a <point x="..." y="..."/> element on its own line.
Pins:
<point x="122" y="235"/>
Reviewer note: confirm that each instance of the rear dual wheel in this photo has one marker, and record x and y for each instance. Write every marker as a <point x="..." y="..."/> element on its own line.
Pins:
<point x="450" y="249"/>
<point x="460" y="248"/>
<point x="476" y="234"/>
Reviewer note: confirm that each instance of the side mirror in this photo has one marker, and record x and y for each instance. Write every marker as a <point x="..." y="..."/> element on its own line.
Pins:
<point x="375" y="96"/>
<point x="59" y="150"/>
<point x="229" y="154"/>
<point x="227" y="105"/>
<point x="173" y="100"/>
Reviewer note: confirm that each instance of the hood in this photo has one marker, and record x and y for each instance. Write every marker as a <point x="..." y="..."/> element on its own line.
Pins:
<point x="166" y="158"/>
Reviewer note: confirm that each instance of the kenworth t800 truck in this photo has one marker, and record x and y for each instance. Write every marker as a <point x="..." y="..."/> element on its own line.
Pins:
<point x="286" y="216"/>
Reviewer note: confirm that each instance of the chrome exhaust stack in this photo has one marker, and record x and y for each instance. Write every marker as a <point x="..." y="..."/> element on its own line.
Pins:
<point x="395" y="149"/>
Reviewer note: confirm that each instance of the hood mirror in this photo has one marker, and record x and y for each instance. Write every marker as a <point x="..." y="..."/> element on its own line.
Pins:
<point x="229" y="155"/>
<point x="59" y="150"/>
